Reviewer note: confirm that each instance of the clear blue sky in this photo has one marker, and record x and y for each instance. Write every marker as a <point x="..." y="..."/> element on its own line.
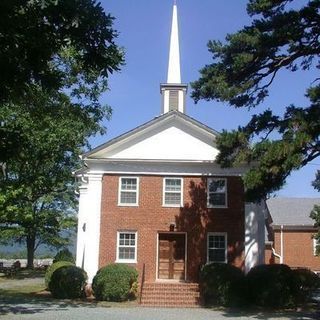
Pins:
<point x="144" y="29"/>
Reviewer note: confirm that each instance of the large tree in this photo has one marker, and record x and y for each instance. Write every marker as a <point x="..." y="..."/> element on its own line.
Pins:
<point x="284" y="34"/>
<point x="55" y="59"/>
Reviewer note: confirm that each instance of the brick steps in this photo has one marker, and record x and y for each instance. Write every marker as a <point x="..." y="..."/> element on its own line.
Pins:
<point x="171" y="295"/>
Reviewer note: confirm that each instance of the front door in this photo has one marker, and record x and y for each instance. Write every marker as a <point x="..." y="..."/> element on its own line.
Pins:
<point x="171" y="256"/>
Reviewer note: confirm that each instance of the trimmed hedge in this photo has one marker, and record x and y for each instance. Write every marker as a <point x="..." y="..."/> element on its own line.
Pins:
<point x="68" y="282"/>
<point x="272" y="286"/>
<point x="53" y="268"/>
<point x="64" y="255"/>
<point x="223" y="284"/>
<point x="115" y="282"/>
<point x="307" y="282"/>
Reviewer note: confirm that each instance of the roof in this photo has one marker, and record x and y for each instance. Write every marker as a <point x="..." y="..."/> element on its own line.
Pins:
<point x="292" y="211"/>
<point x="164" y="117"/>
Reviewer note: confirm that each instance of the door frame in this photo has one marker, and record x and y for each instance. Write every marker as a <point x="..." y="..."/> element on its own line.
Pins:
<point x="185" y="256"/>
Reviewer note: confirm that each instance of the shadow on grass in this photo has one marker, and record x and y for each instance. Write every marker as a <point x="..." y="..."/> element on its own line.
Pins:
<point x="31" y="303"/>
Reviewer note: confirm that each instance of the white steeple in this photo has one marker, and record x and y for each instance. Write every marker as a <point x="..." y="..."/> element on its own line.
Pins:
<point x="174" y="75"/>
<point x="174" y="92"/>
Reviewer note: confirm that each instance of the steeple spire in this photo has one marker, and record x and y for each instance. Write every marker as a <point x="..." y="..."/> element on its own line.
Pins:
<point x="174" y="74"/>
<point x="174" y="92"/>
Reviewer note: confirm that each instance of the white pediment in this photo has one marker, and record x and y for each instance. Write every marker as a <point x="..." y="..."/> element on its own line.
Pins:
<point x="166" y="138"/>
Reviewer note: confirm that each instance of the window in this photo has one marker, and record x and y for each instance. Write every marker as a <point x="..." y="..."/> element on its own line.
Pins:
<point x="217" y="193"/>
<point x="217" y="247"/>
<point x="127" y="246"/>
<point x="316" y="243"/>
<point x="128" y="191"/>
<point x="172" y="192"/>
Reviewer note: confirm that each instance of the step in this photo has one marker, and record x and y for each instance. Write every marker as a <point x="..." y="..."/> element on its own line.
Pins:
<point x="163" y="294"/>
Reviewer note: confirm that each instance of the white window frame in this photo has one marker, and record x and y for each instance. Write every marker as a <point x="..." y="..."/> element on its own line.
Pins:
<point x="119" y="193"/>
<point x="225" y="244"/>
<point x="164" y="192"/>
<point x="209" y="205"/>
<point x="118" y="260"/>
<point x="315" y="244"/>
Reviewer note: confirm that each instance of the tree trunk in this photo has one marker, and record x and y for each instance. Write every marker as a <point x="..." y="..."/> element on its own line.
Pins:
<point x="30" y="251"/>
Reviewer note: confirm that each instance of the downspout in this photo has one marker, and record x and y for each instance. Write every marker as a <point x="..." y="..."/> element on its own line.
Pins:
<point x="281" y="244"/>
<point x="279" y="256"/>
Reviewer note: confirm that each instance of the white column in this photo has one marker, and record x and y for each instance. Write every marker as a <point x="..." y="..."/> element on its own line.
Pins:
<point x="81" y="226"/>
<point x="93" y="215"/>
<point x="254" y="235"/>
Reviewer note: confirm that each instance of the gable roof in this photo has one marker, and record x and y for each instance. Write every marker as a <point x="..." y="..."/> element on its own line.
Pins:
<point x="292" y="211"/>
<point x="167" y="119"/>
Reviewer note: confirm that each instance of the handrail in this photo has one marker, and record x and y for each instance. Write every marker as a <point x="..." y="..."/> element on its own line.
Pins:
<point x="142" y="281"/>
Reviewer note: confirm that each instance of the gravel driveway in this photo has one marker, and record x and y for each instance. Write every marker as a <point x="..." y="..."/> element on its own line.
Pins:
<point x="67" y="311"/>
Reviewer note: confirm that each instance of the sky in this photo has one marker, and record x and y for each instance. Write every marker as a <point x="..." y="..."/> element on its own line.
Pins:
<point x="144" y="34"/>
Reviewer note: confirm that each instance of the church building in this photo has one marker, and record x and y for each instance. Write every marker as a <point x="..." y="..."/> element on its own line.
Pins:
<point x="155" y="198"/>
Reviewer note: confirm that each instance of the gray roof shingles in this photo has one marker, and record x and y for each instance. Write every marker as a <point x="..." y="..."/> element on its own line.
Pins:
<point x="292" y="211"/>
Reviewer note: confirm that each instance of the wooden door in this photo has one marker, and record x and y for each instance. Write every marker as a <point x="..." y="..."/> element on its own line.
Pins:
<point x="171" y="256"/>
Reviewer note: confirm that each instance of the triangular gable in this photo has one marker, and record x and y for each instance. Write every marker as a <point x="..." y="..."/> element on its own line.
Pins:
<point x="172" y="136"/>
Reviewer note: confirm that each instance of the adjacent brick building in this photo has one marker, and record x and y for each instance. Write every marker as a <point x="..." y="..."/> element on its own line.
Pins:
<point x="291" y="233"/>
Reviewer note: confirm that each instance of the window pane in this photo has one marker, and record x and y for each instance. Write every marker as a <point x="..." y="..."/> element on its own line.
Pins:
<point x="217" y="199"/>
<point x="172" y="198"/>
<point x="128" y="197"/>
<point x="217" y="255"/>
<point x="216" y="185"/>
<point x="127" y="253"/>
<point x="128" y="184"/>
<point x="173" y="185"/>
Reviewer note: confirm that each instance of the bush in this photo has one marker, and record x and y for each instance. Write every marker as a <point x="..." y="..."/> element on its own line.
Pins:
<point x="272" y="286"/>
<point x="307" y="282"/>
<point x="68" y="282"/>
<point x="53" y="268"/>
<point x="115" y="282"/>
<point x="223" y="284"/>
<point x="64" y="255"/>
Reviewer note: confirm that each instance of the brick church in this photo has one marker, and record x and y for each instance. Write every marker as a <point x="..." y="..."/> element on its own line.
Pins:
<point x="154" y="197"/>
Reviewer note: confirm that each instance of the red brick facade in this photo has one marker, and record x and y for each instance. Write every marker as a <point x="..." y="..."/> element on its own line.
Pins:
<point x="298" y="250"/>
<point x="150" y="217"/>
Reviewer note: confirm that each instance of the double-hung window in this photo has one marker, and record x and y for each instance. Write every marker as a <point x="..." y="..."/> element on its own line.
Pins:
<point x="217" y="247"/>
<point x="128" y="191"/>
<point x="172" y="192"/>
<point x="127" y="246"/>
<point x="316" y="244"/>
<point x="217" y="193"/>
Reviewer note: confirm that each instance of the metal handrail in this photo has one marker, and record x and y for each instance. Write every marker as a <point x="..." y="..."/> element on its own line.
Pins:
<point x="142" y="281"/>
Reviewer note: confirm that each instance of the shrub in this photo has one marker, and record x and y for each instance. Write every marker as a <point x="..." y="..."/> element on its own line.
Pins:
<point x="68" y="282"/>
<point x="115" y="282"/>
<point x="307" y="282"/>
<point x="223" y="284"/>
<point x="53" y="268"/>
<point x="272" y="286"/>
<point x="64" y="255"/>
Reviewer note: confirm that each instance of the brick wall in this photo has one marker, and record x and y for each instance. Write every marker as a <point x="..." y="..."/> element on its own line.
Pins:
<point x="298" y="249"/>
<point x="150" y="217"/>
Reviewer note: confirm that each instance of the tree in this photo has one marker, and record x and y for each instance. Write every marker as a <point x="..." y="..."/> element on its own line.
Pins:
<point x="56" y="56"/>
<point x="284" y="35"/>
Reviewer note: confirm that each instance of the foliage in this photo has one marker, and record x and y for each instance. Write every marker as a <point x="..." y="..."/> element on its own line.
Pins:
<point x="272" y="286"/>
<point x="64" y="255"/>
<point x="223" y="284"/>
<point x="55" y="266"/>
<point x="68" y="282"/>
<point x="115" y="282"/>
<point x="307" y="281"/>
<point x="55" y="59"/>
<point x="283" y="35"/>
